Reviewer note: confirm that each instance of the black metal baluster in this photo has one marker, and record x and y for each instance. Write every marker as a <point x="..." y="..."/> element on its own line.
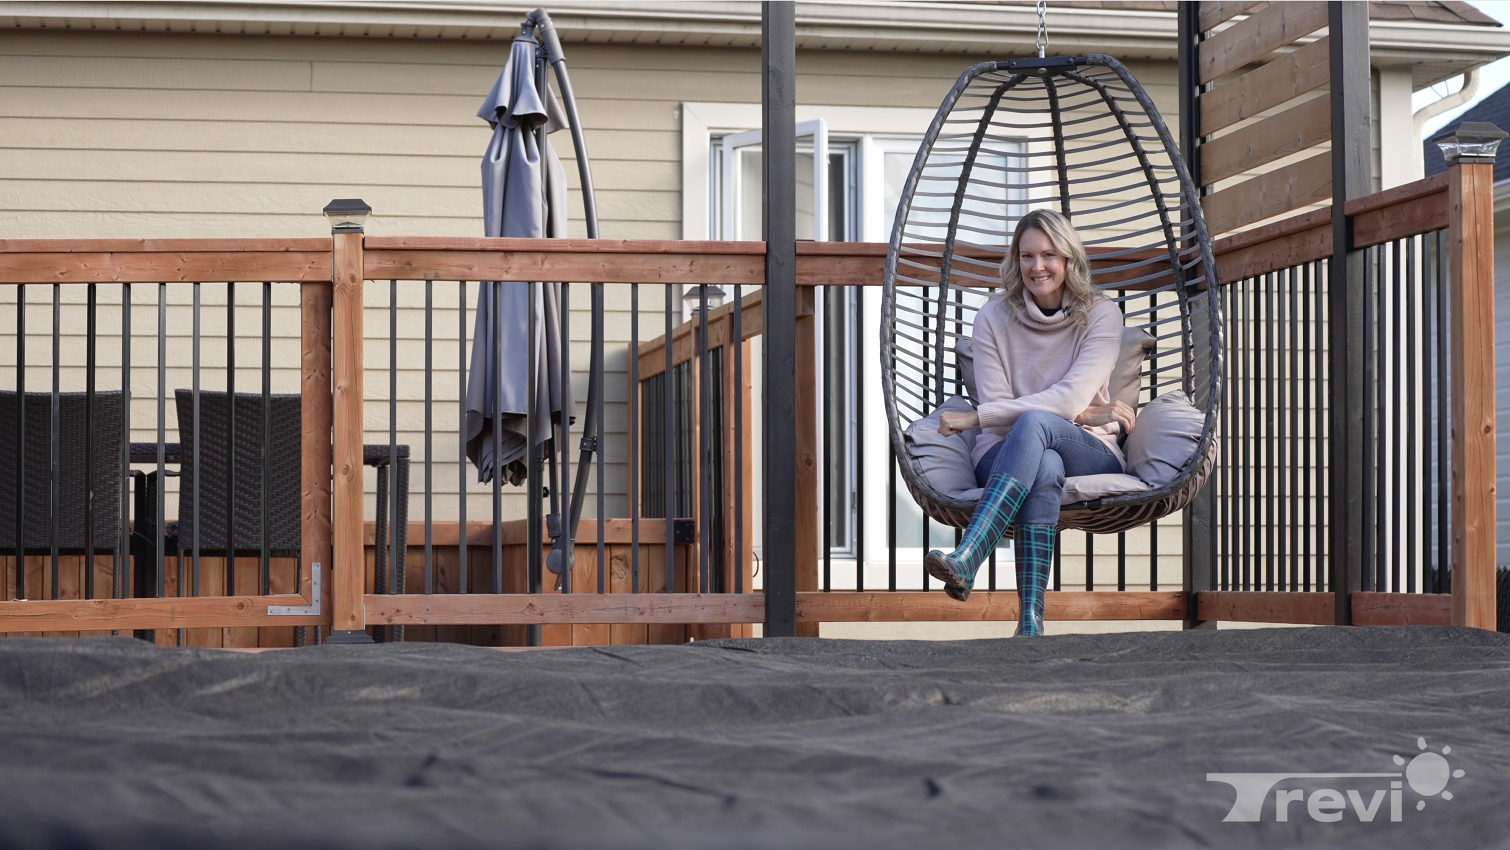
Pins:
<point x="1297" y="329"/>
<point x="1444" y="419"/>
<point x="858" y="325"/>
<point x="162" y="438"/>
<point x="568" y="533"/>
<point x="636" y="428"/>
<point x="705" y="445"/>
<point x="267" y="435"/>
<point x="395" y="559"/>
<point x="462" y="564"/>
<point x="91" y="330"/>
<point x="56" y="429"/>
<point x="498" y="361"/>
<point x="20" y="481"/>
<point x="1271" y="421"/>
<point x="668" y="459"/>
<point x="1413" y="417"/>
<point x="194" y="426"/>
<point x="1090" y="561"/>
<point x="597" y="436"/>
<point x="230" y="447"/>
<point x="124" y="560"/>
<point x="429" y="434"/>
<point x="739" y="440"/>
<point x="825" y="405"/>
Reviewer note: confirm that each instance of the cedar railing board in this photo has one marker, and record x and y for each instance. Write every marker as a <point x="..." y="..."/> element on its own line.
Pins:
<point x="1318" y="609"/>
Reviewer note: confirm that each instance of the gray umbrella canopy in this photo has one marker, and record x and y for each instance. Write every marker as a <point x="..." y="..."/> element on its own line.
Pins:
<point x="524" y="195"/>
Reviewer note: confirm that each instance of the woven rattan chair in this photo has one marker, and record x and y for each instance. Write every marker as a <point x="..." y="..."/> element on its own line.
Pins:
<point x="1081" y="136"/>
<point x="73" y="438"/>
<point x="220" y="456"/>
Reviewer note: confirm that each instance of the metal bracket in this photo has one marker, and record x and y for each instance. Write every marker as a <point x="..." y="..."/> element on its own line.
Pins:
<point x="310" y="610"/>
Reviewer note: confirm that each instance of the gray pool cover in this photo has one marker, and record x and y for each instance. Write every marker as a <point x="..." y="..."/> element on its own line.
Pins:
<point x="1078" y="741"/>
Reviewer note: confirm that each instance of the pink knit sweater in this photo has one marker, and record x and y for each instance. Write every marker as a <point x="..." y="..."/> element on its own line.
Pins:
<point x="1038" y="362"/>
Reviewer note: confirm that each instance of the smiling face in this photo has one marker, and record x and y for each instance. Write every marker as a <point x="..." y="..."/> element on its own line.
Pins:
<point x="1042" y="268"/>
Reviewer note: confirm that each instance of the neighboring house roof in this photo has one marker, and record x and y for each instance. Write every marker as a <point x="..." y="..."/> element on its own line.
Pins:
<point x="1494" y="109"/>
<point x="1436" y="39"/>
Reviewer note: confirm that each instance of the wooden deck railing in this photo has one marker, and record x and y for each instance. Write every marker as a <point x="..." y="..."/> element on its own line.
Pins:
<point x="331" y="274"/>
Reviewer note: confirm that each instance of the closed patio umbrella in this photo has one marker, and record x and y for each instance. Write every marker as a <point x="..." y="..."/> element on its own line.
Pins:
<point x="524" y="195"/>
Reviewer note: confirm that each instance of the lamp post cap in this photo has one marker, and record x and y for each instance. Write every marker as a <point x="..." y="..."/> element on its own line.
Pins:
<point x="1472" y="141"/>
<point x="347" y="215"/>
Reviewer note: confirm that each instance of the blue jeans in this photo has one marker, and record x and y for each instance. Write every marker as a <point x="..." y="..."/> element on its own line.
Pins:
<point x="1041" y="450"/>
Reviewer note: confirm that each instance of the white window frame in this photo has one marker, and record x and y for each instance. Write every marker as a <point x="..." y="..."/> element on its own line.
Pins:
<point x="878" y="130"/>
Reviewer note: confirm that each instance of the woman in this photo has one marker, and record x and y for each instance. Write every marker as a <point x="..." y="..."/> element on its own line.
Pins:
<point x="1044" y="354"/>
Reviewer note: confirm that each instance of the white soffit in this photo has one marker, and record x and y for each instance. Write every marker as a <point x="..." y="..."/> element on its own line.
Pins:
<point x="877" y="25"/>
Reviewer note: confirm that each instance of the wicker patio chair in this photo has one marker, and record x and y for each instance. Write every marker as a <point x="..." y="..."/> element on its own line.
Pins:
<point x="1081" y="136"/>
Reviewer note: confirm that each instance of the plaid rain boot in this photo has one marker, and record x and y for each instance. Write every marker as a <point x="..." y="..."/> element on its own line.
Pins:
<point x="1034" y="558"/>
<point x="993" y="516"/>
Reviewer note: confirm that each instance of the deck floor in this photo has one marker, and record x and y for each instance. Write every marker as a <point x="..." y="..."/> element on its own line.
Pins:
<point x="1071" y="741"/>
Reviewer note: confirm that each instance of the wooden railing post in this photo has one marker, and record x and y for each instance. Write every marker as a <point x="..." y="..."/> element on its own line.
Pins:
<point x="346" y="275"/>
<point x="315" y="412"/>
<point x="1470" y="156"/>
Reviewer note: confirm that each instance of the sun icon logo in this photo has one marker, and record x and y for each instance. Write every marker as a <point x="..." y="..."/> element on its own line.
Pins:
<point x="1427" y="773"/>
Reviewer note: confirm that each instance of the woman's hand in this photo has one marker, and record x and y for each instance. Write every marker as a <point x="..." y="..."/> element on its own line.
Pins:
<point x="1107" y="414"/>
<point x="957" y="423"/>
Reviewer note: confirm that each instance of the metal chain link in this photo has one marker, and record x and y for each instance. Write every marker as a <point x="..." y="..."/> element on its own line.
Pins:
<point x="1043" y="29"/>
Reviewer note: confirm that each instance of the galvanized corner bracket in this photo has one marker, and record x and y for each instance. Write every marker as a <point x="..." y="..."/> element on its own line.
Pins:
<point x="310" y="610"/>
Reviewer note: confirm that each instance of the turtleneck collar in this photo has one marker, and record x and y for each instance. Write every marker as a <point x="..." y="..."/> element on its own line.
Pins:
<point x="1032" y="316"/>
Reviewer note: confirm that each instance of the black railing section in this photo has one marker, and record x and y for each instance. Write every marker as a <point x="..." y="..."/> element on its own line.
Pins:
<point x="1272" y="496"/>
<point x="143" y="425"/>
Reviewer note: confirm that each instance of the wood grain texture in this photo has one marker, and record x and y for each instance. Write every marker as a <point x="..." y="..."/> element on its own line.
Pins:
<point x="932" y="607"/>
<point x="1401" y="609"/>
<point x="1471" y="339"/>
<point x="1213" y="14"/>
<point x="347" y="401"/>
<point x="1281" y="80"/>
<point x="1267" y="195"/>
<point x="574" y="608"/>
<point x="1386" y="224"/>
<point x="1287" y="249"/>
<point x="515" y="532"/>
<point x="1255" y="37"/>
<point x="161" y="614"/>
<point x="1265" y="607"/>
<point x="1265" y="141"/>
<point x="179" y="267"/>
<point x="317" y="421"/>
<point x="809" y="510"/>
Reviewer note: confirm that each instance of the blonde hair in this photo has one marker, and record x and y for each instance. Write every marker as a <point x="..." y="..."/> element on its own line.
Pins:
<point x="1080" y="295"/>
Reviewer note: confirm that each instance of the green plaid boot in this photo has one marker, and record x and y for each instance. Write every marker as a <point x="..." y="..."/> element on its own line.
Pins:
<point x="1034" y="550"/>
<point x="993" y="516"/>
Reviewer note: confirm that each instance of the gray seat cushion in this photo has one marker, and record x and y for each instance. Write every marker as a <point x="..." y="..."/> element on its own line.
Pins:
<point x="945" y="462"/>
<point x="1167" y="434"/>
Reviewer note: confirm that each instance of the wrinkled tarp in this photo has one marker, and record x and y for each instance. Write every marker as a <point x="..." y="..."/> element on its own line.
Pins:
<point x="524" y="195"/>
<point x="1088" y="741"/>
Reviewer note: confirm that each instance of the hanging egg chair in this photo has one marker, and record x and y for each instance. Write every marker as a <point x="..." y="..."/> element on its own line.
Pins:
<point x="1081" y="136"/>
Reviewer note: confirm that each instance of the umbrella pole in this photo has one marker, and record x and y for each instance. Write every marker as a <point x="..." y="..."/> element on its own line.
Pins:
<point x="592" y="424"/>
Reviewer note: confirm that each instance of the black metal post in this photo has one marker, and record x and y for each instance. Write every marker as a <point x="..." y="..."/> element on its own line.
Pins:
<point x="1351" y="424"/>
<point x="778" y="121"/>
<point x="1199" y="526"/>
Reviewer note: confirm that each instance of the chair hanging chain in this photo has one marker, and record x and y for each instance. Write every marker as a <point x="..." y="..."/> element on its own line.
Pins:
<point x="1043" y="29"/>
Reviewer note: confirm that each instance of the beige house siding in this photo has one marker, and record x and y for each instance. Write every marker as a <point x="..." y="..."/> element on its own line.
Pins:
<point x="160" y="135"/>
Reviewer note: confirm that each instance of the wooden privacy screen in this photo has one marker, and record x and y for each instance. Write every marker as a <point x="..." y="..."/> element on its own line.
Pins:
<point x="1239" y="93"/>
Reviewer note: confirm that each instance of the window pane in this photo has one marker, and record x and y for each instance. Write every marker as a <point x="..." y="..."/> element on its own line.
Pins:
<point x="751" y="220"/>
